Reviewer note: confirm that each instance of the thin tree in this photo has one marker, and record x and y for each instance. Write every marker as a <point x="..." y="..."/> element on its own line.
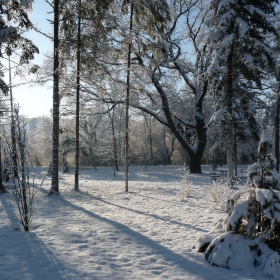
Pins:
<point x="2" y="187"/>
<point x="13" y="135"/>
<point x="127" y="98"/>
<point x="77" y="128"/>
<point x="114" y="139"/>
<point x="277" y="123"/>
<point x="56" y="102"/>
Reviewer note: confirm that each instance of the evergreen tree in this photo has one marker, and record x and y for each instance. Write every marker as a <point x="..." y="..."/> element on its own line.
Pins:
<point x="263" y="212"/>
<point x="245" y="126"/>
<point x="253" y="216"/>
<point x="238" y="31"/>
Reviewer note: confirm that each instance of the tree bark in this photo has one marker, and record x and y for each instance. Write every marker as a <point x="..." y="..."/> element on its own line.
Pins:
<point x="114" y="139"/>
<point x="229" y="123"/>
<point x="56" y="102"/>
<point x="127" y="101"/>
<point x="77" y="142"/>
<point x="13" y="129"/>
<point x="235" y="152"/>
<point x="195" y="163"/>
<point x="149" y="127"/>
<point x="2" y="187"/>
<point x="277" y="131"/>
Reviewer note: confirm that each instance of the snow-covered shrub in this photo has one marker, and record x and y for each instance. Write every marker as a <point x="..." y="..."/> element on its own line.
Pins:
<point x="250" y="231"/>
<point x="218" y="193"/>
<point x="185" y="187"/>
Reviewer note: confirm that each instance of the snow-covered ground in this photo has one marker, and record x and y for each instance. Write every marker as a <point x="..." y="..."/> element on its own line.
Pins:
<point x="102" y="232"/>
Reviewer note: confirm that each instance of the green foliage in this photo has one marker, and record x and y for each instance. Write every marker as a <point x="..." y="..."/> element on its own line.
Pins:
<point x="241" y="27"/>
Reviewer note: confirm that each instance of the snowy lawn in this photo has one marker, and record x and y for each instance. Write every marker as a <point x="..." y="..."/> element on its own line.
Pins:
<point x="102" y="232"/>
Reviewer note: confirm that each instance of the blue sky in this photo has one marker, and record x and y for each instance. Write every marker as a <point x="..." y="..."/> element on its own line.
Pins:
<point x="37" y="101"/>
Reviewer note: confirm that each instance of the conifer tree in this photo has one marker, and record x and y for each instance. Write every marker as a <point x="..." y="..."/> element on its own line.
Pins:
<point x="238" y="31"/>
<point x="263" y="209"/>
<point x="253" y="216"/>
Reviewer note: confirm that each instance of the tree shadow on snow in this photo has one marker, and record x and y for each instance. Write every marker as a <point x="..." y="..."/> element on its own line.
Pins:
<point x="149" y="215"/>
<point x="196" y="267"/>
<point x="24" y="256"/>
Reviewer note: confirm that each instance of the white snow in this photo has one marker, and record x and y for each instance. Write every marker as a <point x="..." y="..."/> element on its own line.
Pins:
<point x="249" y="61"/>
<point x="264" y="196"/>
<point x="243" y="27"/>
<point x="240" y="211"/>
<point x="102" y="232"/>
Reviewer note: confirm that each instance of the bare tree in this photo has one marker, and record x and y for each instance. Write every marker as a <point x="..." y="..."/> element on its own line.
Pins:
<point x="23" y="190"/>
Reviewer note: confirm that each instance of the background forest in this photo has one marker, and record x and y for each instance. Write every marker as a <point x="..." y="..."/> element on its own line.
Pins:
<point x="149" y="82"/>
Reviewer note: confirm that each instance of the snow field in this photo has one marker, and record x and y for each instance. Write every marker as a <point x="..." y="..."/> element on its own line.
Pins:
<point x="102" y="232"/>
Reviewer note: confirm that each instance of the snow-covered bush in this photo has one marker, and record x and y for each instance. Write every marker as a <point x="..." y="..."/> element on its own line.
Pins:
<point x="185" y="187"/>
<point x="218" y="193"/>
<point x="249" y="234"/>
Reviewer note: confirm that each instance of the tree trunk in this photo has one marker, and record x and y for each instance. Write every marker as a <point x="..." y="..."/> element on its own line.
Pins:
<point x="2" y="187"/>
<point x="127" y="101"/>
<point x="115" y="149"/>
<point x="229" y="122"/>
<point x="56" y="102"/>
<point x="177" y="130"/>
<point x="195" y="163"/>
<point x="13" y="129"/>
<point x="148" y="121"/>
<point x="235" y="153"/>
<point x="277" y="131"/>
<point x="77" y="140"/>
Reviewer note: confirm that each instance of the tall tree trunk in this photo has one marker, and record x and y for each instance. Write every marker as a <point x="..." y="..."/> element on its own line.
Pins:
<point x="195" y="163"/>
<point x="127" y="101"/>
<point x="148" y="121"/>
<point x="168" y="150"/>
<point x="116" y="160"/>
<point x="229" y="122"/>
<point x="115" y="149"/>
<point x="235" y="152"/>
<point x="77" y="142"/>
<point x="56" y="102"/>
<point x="2" y="187"/>
<point x="13" y="128"/>
<point x="277" y="130"/>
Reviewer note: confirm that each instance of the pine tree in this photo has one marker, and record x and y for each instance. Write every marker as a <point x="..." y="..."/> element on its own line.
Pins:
<point x="263" y="212"/>
<point x="253" y="219"/>
<point x="238" y="31"/>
